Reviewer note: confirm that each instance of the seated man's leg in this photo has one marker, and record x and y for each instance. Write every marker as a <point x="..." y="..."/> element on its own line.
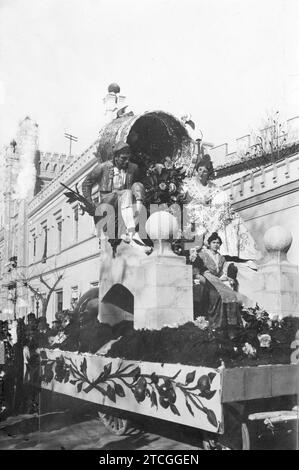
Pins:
<point x="138" y="192"/>
<point x="106" y="216"/>
<point x="126" y="214"/>
<point x="140" y="215"/>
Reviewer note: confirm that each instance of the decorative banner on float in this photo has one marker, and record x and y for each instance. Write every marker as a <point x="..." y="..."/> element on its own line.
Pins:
<point x="178" y="393"/>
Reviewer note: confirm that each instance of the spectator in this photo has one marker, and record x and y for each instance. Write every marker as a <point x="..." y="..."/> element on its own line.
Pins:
<point x="71" y="332"/>
<point x="43" y="332"/>
<point x="6" y="371"/>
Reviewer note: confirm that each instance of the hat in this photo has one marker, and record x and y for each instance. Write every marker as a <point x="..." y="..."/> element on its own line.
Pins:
<point x="121" y="146"/>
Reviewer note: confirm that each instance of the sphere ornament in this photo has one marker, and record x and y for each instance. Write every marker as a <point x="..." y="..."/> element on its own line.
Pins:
<point x="161" y="226"/>
<point x="113" y="88"/>
<point x="278" y="238"/>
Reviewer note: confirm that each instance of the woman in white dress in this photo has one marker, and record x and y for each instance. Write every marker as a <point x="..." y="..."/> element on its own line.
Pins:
<point x="208" y="210"/>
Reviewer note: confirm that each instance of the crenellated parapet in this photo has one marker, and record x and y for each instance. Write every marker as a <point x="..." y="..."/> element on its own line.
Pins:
<point x="247" y="184"/>
<point x="52" y="164"/>
<point x="70" y="169"/>
<point x="271" y="144"/>
<point x="49" y="166"/>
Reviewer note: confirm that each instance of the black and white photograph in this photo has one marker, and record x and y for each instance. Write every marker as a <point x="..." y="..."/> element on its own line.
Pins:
<point x="149" y="228"/>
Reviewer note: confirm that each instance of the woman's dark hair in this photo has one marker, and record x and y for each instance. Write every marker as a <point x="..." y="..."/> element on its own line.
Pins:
<point x="205" y="160"/>
<point x="214" y="237"/>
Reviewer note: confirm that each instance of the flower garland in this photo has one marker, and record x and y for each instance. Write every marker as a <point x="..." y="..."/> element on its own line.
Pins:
<point x="261" y="340"/>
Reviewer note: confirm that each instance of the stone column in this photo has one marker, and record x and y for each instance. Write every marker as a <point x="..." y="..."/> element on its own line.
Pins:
<point x="278" y="287"/>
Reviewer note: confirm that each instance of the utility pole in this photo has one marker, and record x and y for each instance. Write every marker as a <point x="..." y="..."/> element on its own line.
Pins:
<point x="14" y="300"/>
<point x="37" y="307"/>
<point x="71" y="138"/>
<point x="13" y="296"/>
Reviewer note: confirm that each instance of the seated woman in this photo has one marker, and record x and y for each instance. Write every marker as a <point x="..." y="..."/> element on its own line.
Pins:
<point x="209" y="210"/>
<point x="212" y="296"/>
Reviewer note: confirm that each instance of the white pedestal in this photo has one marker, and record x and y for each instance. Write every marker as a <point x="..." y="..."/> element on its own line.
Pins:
<point x="166" y="297"/>
<point x="160" y="283"/>
<point x="278" y="290"/>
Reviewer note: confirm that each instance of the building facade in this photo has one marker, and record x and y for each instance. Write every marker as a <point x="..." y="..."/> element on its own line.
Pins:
<point x="40" y="233"/>
<point x="264" y="186"/>
<point x="47" y="245"/>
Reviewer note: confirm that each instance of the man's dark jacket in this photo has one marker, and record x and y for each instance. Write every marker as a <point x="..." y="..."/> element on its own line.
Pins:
<point x="101" y="175"/>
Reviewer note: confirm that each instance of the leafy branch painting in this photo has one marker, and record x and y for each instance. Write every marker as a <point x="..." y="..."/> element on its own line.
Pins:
<point x="161" y="390"/>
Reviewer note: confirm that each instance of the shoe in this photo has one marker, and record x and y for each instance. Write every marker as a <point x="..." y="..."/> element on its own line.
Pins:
<point x="136" y="242"/>
<point x="125" y="237"/>
<point x="137" y="239"/>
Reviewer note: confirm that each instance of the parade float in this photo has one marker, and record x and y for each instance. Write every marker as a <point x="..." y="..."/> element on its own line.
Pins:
<point x="154" y="359"/>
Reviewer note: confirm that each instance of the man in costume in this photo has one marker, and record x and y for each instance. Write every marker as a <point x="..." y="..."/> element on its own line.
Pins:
<point x="119" y="188"/>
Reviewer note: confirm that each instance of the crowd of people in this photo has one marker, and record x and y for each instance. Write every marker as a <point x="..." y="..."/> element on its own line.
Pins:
<point x="19" y="340"/>
<point x="72" y="330"/>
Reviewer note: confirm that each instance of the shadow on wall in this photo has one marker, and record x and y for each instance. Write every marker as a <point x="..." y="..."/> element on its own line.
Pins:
<point x="121" y="297"/>
<point x="117" y="305"/>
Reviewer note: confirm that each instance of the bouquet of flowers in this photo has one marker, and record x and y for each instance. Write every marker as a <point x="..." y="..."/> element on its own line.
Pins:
<point x="164" y="183"/>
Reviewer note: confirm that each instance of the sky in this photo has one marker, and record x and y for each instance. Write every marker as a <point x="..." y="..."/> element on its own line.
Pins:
<point x="228" y="63"/>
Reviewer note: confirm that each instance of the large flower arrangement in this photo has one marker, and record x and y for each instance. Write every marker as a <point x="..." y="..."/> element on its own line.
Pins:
<point x="261" y="340"/>
<point x="164" y="183"/>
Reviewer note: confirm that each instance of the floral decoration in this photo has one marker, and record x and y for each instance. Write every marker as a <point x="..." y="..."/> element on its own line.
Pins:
<point x="201" y="322"/>
<point x="161" y="390"/>
<point x="265" y="340"/>
<point x="164" y="183"/>
<point x="249" y="350"/>
<point x="197" y="344"/>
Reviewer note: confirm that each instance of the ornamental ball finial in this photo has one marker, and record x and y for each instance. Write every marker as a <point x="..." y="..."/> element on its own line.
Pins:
<point x="161" y="226"/>
<point x="113" y="88"/>
<point x="278" y="238"/>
